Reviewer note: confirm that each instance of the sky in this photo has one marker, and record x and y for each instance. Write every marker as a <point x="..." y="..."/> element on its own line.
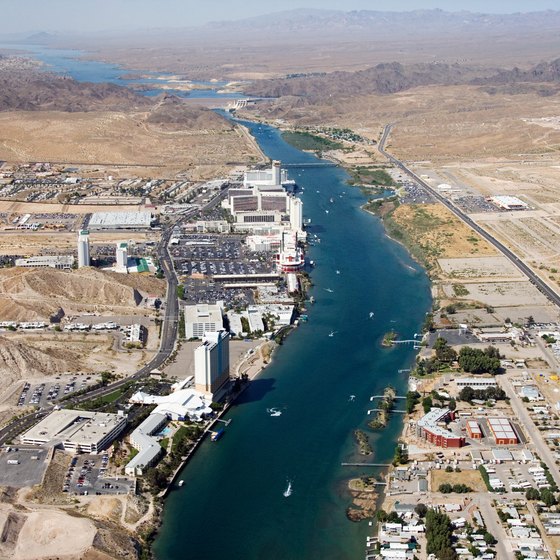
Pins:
<point x="98" y="15"/>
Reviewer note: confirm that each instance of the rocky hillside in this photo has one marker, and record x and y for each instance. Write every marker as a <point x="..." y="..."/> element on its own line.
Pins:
<point x="28" y="294"/>
<point x="174" y="114"/>
<point x="33" y="90"/>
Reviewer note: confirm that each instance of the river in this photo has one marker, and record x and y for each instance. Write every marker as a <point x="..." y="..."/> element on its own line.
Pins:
<point x="232" y="503"/>
<point x="73" y="63"/>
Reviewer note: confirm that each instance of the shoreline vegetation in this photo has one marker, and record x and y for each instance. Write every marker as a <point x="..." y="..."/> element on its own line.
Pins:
<point x="385" y="407"/>
<point x="362" y="440"/>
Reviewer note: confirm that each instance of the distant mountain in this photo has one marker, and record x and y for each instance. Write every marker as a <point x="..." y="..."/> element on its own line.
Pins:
<point x="40" y="38"/>
<point x="366" y="22"/>
<point x="544" y="79"/>
<point x="383" y="79"/>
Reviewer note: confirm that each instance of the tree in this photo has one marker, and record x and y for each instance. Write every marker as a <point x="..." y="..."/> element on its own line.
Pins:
<point x="532" y="494"/>
<point x="474" y="360"/>
<point x="548" y="497"/>
<point x="452" y="404"/>
<point x="427" y="404"/>
<point x="489" y="538"/>
<point x="444" y="352"/>
<point x="421" y="510"/>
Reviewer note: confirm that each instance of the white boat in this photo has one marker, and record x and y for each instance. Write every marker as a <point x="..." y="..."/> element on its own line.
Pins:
<point x="181" y="482"/>
<point x="288" y="491"/>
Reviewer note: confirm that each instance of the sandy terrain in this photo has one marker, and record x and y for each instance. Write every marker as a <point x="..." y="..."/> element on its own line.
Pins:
<point x="492" y="268"/>
<point x="148" y="150"/>
<point x="502" y="294"/>
<point x="34" y="243"/>
<point x="48" y="534"/>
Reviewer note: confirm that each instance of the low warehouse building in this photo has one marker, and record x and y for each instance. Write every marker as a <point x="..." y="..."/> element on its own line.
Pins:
<point x="473" y="429"/>
<point x="503" y="431"/>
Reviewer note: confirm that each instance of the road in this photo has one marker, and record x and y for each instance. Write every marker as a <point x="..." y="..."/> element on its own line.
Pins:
<point x="493" y="524"/>
<point x="552" y="295"/>
<point x="167" y="344"/>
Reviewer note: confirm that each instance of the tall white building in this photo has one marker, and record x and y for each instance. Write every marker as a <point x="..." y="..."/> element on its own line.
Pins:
<point x="296" y="214"/>
<point x="211" y="362"/>
<point x="122" y="256"/>
<point x="83" y="249"/>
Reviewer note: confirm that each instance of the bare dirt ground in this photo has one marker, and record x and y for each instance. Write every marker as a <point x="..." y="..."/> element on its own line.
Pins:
<point x="148" y="150"/>
<point x="28" y="294"/>
<point x="470" y="478"/>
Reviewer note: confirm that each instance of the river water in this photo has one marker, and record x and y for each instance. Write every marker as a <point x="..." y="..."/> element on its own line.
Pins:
<point x="232" y="504"/>
<point x="70" y="62"/>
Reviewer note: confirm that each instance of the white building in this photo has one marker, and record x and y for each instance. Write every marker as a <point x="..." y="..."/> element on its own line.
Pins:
<point x="76" y="430"/>
<point x="211" y="362"/>
<point x="61" y="262"/>
<point x="266" y="177"/>
<point x="149" y="449"/>
<point x="83" y="249"/>
<point x="122" y="256"/>
<point x="120" y="220"/>
<point x="296" y="214"/>
<point x="202" y="318"/>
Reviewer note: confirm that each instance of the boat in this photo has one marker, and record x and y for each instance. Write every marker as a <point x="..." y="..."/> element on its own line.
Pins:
<point x="217" y="434"/>
<point x="274" y="411"/>
<point x="311" y="299"/>
<point x="288" y="491"/>
<point x="181" y="482"/>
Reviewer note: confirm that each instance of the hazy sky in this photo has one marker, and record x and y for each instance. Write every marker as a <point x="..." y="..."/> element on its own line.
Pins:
<point x="93" y="15"/>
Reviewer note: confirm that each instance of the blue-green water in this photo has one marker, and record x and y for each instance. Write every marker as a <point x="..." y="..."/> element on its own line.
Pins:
<point x="70" y="62"/>
<point x="232" y="503"/>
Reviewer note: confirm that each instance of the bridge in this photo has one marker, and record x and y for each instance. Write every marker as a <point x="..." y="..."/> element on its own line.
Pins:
<point x="319" y="164"/>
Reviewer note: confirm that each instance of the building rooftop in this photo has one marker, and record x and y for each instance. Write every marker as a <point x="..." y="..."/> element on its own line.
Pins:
<point x="501" y="428"/>
<point x="120" y="219"/>
<point x="75" y="426"/>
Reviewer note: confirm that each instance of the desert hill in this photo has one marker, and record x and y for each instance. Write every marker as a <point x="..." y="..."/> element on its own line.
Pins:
<point x="33" y="90"/>
<point x="36" y="294"/>
<point x="173" y="113"/>
<point x="20" y="360"/>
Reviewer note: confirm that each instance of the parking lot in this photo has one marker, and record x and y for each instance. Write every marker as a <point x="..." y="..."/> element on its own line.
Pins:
<point x="87" y="474"/>
<point x="472" y="204"/>
<point x="201" y="257"/>
<point x="43" y="394"/>
<point x="414" y="194"/>
<point x="22" y="466"/>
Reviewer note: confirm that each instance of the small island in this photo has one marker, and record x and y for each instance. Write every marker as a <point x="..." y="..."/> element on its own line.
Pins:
<point x="363" y="442"/>
<point x="389" y="339"/>
<point x="385" y="407"/>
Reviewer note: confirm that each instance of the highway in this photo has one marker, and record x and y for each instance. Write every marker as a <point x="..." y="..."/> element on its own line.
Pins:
<point x="167" y="344"/>
<point x="553" y="296"/>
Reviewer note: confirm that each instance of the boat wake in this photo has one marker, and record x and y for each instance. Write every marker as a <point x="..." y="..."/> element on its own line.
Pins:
<point x="274" y="411"/>
<point x="288" y="492"/>
<point x="332" y="333"/>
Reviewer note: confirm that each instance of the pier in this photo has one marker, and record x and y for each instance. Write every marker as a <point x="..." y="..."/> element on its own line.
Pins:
<point x="365" y="464"/>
